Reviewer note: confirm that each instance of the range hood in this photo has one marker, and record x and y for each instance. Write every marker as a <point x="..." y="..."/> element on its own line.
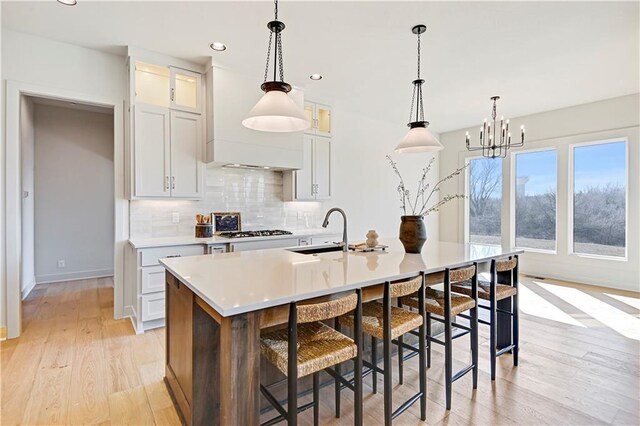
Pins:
<point x="230" y="95"/>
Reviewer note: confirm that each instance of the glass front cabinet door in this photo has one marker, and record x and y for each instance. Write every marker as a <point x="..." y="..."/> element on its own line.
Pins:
<point x="185" y="90"/>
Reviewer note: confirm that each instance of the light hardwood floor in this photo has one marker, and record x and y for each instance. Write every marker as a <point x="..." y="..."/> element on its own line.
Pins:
<point x="579" y="364"/>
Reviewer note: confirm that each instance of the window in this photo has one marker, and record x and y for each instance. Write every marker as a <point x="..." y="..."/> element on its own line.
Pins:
<point x="535" y="203"/>
<point x="485" y="200"/>
<point x="599" y="199"/>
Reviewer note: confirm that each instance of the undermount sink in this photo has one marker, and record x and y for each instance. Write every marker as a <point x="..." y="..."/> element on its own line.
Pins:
<point x="316" y="250"/>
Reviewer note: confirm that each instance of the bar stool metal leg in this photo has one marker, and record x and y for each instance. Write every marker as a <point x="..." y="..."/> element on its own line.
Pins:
<point x="515" y="317"/>
<point x="357" y="366"/>
<point x="337" y="384"/>
<point x="473" y="324"/>
<point x="374" y="361"/>
<point x="400" y="352"/>
<point x="316" y="398"/>
<point x="428" y="315"/>
<point x="387" y="357"/>
<point x="448" y="343"/>
<point x="422" y="336"/>
<point x="493" y="304"/>
<point x="292" y="377"/>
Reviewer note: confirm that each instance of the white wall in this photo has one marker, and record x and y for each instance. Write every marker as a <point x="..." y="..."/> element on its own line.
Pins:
<point x="28" y="278"/>
<point x="71" y="72"/>
<point x="73" y="193"/>
<point x="365" y="185"/>
<point x="607" y="119"/>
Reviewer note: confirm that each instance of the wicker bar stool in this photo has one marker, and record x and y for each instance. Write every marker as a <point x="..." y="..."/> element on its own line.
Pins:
<point x="390" y="323"/>
<point x="494" y="292"/>
<point x="308" y="346"/>
<point x="446" y="306"/>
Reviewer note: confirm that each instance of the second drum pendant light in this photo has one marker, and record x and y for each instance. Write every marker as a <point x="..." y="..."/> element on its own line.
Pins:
<point x="419" y="138"/>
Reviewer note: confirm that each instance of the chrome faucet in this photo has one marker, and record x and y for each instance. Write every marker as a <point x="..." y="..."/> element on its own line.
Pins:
<point x="345" y="241"/>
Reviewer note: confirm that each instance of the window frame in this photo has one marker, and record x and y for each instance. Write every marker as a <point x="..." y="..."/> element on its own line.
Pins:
<point x="513" y="183"/>
<point x="571" y="201"/>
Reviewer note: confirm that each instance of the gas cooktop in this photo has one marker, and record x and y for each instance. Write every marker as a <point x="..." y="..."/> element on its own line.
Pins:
<point x="261" y="233"/>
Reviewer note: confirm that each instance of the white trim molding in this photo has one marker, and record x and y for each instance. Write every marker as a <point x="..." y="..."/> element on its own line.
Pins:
<point x="13" y="192"/>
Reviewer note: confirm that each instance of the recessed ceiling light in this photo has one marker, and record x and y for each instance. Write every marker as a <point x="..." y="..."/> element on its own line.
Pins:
<point x="216" y="45"/>
<point x="315" y="77"/>
<point x="68" y="2"/>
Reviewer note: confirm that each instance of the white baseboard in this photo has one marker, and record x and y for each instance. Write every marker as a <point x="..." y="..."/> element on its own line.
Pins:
<point x="27" y="288"/>
<point x="73" y="276"/>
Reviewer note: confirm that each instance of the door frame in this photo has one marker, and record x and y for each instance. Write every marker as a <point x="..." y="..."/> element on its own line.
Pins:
<point x="13" y="194"/>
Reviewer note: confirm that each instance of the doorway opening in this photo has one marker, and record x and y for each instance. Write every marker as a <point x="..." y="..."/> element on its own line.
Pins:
<point x="67" y="181"/>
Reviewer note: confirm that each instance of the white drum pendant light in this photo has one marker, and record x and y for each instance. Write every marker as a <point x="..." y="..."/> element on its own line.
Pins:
<point x="419" y="138"/>
<point x="276" y="111"/>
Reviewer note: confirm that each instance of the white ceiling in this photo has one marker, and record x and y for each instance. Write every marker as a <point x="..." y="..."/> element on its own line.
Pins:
<point x="537" y="55"/>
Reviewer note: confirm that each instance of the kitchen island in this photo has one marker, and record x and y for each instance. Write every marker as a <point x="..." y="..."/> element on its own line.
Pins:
<point x="217" y="304"/>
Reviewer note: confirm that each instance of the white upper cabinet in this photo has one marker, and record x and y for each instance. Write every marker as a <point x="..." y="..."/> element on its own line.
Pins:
<point x="166" y="129"/>
<point x="304" y="183"/>
<point x="313" y="181"/>
<point x="152" y="85"/>
<point x="319" y="117"/>
<point x="186" y="155"/>
<point x="167" y="153"/>
<point x="167" y="87"/>
<point x="322" y="167"/>
<point x="230" y="97"/>
<point x="151" y="151"/>
<point x="185" y="90"/>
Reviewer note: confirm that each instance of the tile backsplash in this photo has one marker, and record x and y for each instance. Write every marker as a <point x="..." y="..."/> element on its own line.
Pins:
<point x="257" y="194"/>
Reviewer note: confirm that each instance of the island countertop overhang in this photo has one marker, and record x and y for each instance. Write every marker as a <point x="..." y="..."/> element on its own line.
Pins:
<point x="236" y="283"/>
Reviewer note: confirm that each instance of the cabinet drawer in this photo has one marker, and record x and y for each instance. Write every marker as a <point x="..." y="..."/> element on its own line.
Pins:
<point x="150" y="256"/>
<point x="153" y="306"/>
<point x="152" y="279"/>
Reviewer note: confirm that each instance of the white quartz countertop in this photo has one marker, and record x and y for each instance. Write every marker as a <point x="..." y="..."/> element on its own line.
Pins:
<point x="235" y="283"/>
<point x="191" y="240"/>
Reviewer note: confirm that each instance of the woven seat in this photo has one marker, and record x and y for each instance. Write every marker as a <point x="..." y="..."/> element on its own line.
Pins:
<point x="319" y="347"/>
<point x="502" y="291"/>
<point x="434" y="302"/>
<point x="402" y="321"/>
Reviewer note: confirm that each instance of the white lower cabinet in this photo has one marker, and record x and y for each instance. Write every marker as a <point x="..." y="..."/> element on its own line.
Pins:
<point x="152" y="279"/>
<point x="146" y="282"/>
<point x="153" y="306"/>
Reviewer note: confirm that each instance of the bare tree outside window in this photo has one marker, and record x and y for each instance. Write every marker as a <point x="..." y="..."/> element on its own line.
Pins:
<point x="536" y="181"/>
<point x="599" y="199"/>
<point x="485" y="200"/>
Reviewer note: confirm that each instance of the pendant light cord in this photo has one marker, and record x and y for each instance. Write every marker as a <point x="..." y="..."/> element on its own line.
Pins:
<point x="419" y="56"/>
<point x="417" y="92"/>
<point x="278" y="64"/>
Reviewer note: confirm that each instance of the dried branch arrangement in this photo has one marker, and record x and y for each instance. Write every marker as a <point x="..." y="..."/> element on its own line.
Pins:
<point x="421" y="207"/>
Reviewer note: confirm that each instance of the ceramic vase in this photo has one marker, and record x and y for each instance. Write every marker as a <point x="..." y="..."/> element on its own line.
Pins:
<point x="413" y="233"/>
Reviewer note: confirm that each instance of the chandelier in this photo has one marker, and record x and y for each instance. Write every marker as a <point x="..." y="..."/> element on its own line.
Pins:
<point x="276" y="111"/>
<point x="490" y="145"/>
<point x="418" y="139"/>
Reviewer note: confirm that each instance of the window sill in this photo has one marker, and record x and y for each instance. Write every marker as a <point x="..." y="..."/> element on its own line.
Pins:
<point x="600" y="257"/>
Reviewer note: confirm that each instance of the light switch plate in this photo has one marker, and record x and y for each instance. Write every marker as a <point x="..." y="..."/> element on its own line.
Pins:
<point x="175" y="217"/>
